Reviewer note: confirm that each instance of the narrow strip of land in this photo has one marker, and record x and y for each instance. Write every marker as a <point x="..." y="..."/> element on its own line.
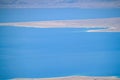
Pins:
<point x="71" y="78"/>
<point x="108" y="24"/>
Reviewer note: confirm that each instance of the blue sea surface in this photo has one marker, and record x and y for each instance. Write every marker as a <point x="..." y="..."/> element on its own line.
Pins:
<point x="54" y="52"/>
<point x="45" y="14"/>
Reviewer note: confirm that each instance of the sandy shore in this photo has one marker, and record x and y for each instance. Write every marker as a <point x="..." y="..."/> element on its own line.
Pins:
<point x="71" y="78"/>
<point x="108" y="24"/>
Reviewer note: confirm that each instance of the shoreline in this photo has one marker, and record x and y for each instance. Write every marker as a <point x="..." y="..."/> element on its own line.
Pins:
<point x="73" y="78"/>
<point x="107" y="24"/>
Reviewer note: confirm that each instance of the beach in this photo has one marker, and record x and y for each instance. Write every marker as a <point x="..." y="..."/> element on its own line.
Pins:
<point x="71" y="78"/>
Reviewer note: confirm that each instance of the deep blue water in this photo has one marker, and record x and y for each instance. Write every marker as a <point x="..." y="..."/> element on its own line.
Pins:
<point x="52" y="52"/>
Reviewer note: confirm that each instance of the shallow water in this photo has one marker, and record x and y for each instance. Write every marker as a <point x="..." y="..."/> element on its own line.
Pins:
<point x="54" y="52"/>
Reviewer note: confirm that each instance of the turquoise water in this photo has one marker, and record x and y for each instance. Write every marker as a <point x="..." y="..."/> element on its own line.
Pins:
<point x="54" y="52"/>
<point x="42" y="52"/>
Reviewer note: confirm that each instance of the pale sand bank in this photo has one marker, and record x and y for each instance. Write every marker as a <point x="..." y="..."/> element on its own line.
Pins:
<point x="71" y="78"/>
<point x="107" y="24"/>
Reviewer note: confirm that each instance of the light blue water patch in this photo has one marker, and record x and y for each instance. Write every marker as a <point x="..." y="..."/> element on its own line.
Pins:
<point x="54" y="52"/>
<point x="43" y="14"/>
